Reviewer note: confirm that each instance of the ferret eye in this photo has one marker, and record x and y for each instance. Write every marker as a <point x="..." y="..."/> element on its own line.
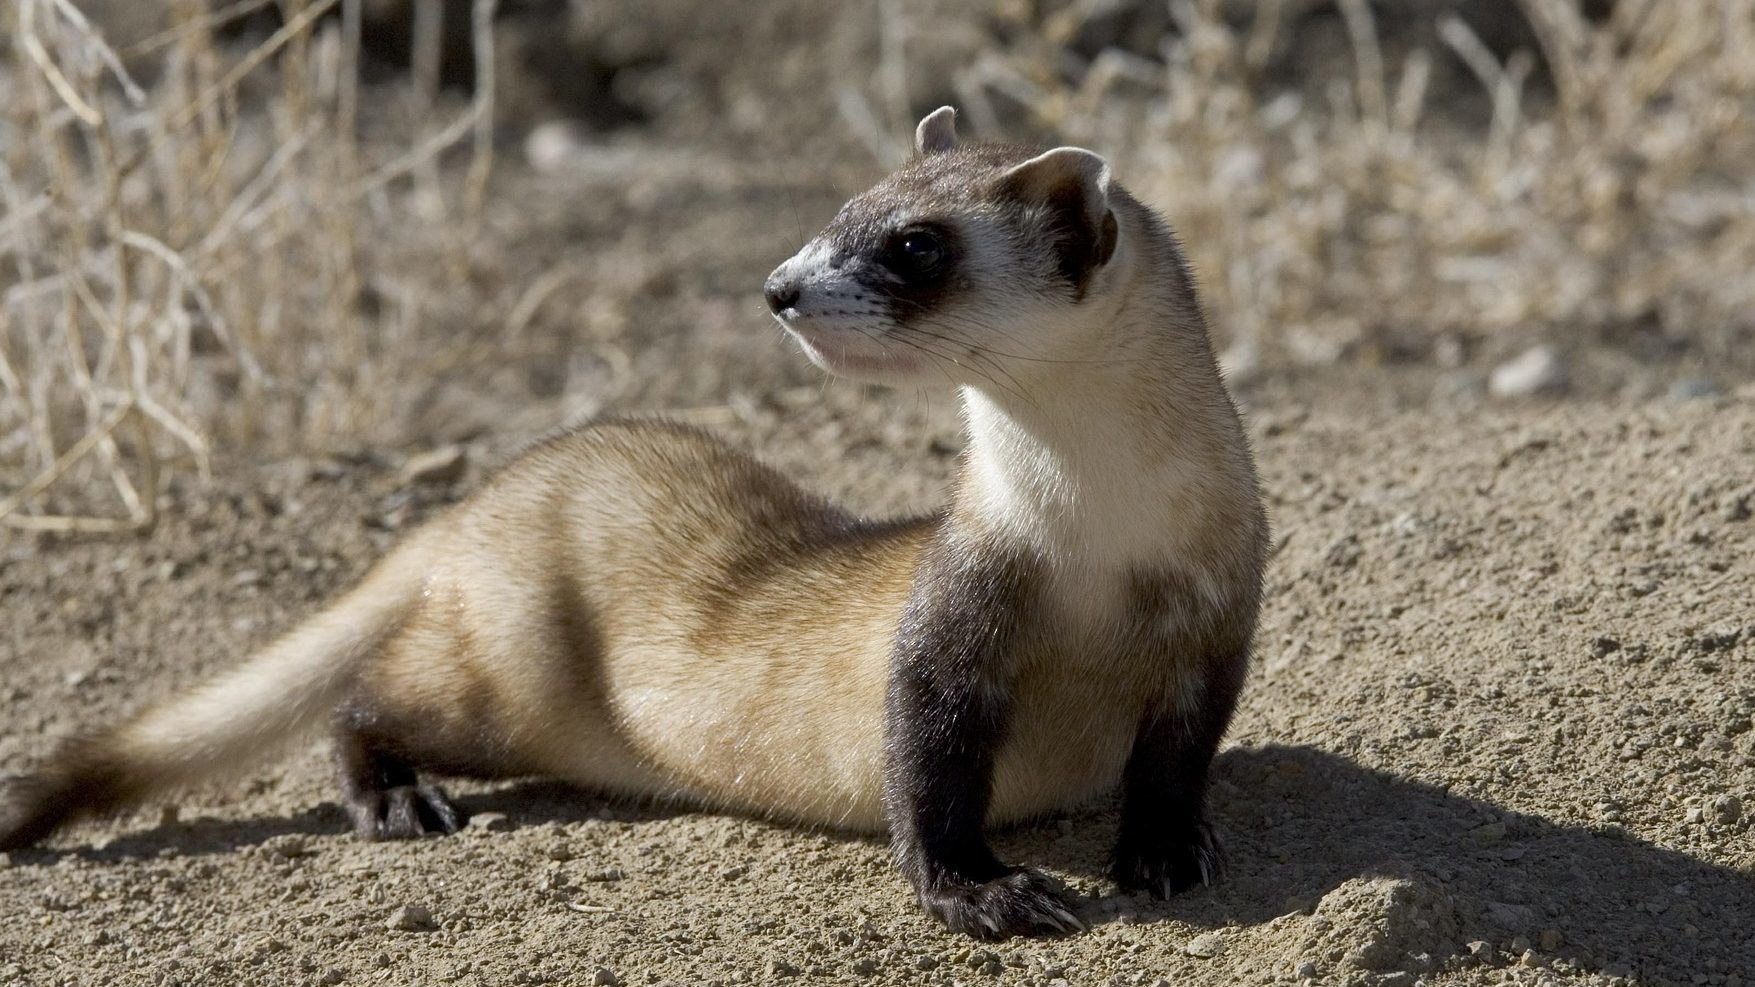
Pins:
<point x="916" y="252"/>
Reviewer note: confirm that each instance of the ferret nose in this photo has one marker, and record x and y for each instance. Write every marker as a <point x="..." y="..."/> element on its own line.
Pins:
<point x="781" y="292"/>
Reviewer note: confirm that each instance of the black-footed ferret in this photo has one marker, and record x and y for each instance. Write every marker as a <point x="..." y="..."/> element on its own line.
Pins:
<point x="638" y="609"/>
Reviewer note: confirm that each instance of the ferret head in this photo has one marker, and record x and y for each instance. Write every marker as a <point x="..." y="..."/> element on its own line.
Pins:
<point x="972" y="264"/>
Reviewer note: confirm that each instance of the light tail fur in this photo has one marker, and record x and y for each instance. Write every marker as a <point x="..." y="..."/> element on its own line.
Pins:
<point x="224" y="724"/>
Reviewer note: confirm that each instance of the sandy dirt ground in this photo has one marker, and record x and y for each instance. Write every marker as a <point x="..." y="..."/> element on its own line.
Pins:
<point x="1499" y="729"/>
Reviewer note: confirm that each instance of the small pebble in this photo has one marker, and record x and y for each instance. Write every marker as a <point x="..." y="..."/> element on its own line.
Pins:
<point x="606" y="874"/>
<point x="555" y="145"/>
<point x="411" y="918"/>
<point x="1537" y="370"/>
<point x="1692" y="389"/>
<point x="734" y="872"/>
<point x="1727" y="809"/>
<point x="1305" y="971"/>
<point x="1206" y="945"/>
<point x="604" y="977"/>
<point x="288" y="847"/>
<point x="1492" y="832"/>
<point x="781" y="968"/>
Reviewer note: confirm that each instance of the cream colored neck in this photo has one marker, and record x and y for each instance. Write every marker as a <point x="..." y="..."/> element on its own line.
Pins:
<point x="1112" y="460"/>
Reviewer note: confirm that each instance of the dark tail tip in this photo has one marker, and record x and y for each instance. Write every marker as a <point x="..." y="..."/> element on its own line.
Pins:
<point x="79" y="781"/>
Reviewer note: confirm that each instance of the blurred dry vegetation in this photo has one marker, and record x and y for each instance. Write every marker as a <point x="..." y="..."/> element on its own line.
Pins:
<point x="265" y="226"/>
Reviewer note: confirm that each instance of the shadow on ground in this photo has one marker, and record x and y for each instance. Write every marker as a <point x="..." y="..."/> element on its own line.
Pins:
<point x="1439" y="871"/>
<point x="1304" y="829"/>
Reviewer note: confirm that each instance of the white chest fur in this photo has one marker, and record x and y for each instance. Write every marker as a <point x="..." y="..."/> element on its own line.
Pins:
<point x="1097" y="492"/>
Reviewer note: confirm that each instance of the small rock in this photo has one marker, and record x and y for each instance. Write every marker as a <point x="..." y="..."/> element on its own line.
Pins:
<point x="1509" y="916"/>
<point x="411" y="918"/>
<point x="606" y="874"/>
<point x="733" y="872"/>
<point x="1537" y="370"/>
<point x="1740" y="509"/>
<point x="865" y="966"/>
<point x="1206" y="945"/>
<point x="1603" y="647"/>
<point x="1694" y="814"/>
<point x="1304" y="971"/>
<point x="1727" y="809"/>
<point x="556" y="145"/>
<point x="926" y="963"/>
<point x="781" y="968"/>
<point x="333" y="976"/>
<point x="1693" y="389"/>
<point x="1492" y="832"/>
<point x="289" y="847"/>
<point x="492" y="822"/>
<point x="1481" y="951"/>
<point x="604" y="977"/>
<point x="445" y="464"/>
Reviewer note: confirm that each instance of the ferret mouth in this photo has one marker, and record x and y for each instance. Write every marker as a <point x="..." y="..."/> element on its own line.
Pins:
<point x="852" y="351"/>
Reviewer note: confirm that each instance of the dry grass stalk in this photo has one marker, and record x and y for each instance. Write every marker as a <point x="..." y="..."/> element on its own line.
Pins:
<point x="1626" y="201"/>
<point x="180" y="269"/>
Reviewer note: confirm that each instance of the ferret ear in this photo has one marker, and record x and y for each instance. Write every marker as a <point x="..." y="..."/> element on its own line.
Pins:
<point x="1073" y="184"/>
<point x="937" y="131"/>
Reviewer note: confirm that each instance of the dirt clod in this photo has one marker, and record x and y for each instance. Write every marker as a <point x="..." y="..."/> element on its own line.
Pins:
<point x="411" y="918"/>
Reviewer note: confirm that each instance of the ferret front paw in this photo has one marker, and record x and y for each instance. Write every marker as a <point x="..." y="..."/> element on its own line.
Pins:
<point x="1169" y="865"/>
<point x="1021" y="903"/>
<point x="404" y="812"/>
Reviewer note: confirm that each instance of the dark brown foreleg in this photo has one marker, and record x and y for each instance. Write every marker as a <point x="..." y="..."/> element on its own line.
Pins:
<point x="946" y="716"/>
<point x="1166" y="844"/>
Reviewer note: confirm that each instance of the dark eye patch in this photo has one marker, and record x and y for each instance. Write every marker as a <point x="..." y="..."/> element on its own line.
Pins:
<point x="921" y="262"/>
<point x="917" y="253"/>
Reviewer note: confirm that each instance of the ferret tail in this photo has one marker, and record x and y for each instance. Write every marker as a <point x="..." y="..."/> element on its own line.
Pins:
<point x="225" y="723"/>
